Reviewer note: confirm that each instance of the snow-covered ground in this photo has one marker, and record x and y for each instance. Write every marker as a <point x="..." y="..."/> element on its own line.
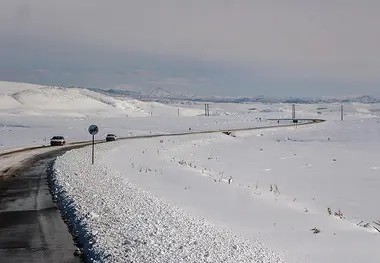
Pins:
<point x="121" y="222"/>
<point x="284" y="181"/>
<point x="31" y="114"/>
<point x="254" y="197"/>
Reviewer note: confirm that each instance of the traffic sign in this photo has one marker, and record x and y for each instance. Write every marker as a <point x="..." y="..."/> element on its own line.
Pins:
<point x="93" y="129"/>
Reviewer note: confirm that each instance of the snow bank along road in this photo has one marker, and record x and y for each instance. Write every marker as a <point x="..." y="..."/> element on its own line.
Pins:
<point x="29" y="220"/>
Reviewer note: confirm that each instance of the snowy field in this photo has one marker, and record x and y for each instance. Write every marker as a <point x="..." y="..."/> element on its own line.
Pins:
<point x="283" y="182"/>
<point x="30" y="115"/>
<point x="257" y="196"/>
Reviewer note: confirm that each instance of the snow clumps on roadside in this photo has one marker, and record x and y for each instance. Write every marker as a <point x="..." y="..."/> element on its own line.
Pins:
<point x="115" y="221"/>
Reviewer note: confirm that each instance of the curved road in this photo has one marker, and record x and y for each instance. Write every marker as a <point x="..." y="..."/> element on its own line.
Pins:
<point x="30" y="223"/>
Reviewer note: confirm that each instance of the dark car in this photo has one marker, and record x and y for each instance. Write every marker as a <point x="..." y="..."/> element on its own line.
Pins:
<point x="110" y="137"/>
<point x="57" y="141"/>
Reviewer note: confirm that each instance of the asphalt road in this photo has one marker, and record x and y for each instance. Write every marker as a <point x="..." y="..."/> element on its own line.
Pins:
<point x="31" y="227"/>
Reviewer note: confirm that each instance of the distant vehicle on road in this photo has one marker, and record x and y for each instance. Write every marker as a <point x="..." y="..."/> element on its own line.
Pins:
<point x="57" y="141"/>
<point x="111" y="137"/>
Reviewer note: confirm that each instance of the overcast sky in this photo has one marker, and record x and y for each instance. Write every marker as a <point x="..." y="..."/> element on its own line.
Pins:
<point x="213" y="47"/>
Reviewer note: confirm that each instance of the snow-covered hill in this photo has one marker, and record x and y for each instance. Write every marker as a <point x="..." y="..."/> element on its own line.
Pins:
<point x="30" y="99"/>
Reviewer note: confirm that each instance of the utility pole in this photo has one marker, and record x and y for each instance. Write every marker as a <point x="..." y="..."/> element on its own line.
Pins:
<point x="293" y="111"/>
<point x="341" y="112"/>
<point x="207" y="109"/>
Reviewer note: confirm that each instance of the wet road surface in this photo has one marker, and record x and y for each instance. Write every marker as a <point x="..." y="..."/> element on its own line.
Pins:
<point x="31" y="227"/>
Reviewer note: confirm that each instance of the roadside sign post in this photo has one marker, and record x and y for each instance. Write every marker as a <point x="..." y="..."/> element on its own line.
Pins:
<point x="93" y="130"/>
<point x="93" y="148"/>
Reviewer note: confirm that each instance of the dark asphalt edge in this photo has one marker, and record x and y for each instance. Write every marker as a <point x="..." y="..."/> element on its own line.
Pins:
<point x="26" y="149"/>
<point x="76" y="224"/>
<point x="21" y="150"/>
<point x="16" y="169"/>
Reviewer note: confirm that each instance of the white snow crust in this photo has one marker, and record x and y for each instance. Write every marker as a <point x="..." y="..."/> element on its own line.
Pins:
<point x="119" y="222"/>
<point x="309" y="169"/>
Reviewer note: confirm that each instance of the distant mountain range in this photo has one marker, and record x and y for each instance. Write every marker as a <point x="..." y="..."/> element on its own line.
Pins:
<point x="164" y="96"/>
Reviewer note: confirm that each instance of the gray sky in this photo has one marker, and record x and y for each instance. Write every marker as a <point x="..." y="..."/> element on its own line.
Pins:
<point x="219" y="47"/>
